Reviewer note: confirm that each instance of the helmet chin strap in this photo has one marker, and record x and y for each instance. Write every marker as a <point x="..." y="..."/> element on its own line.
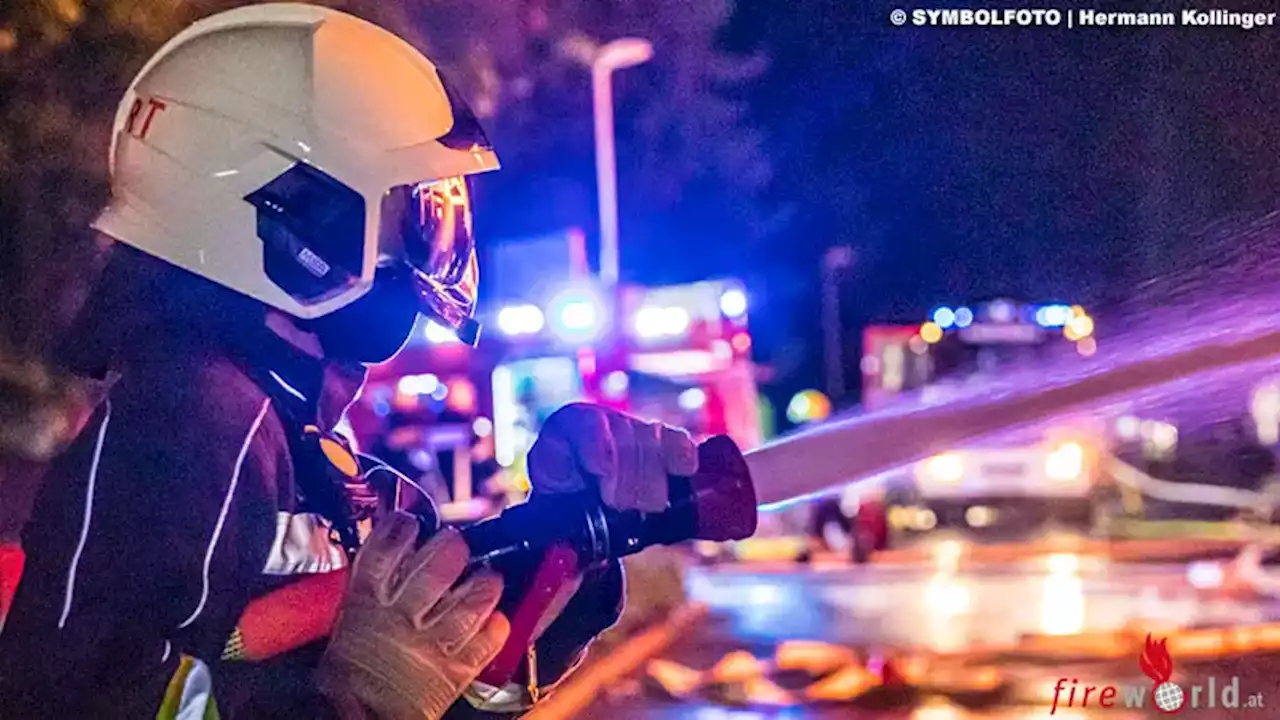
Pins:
<point x="287" y="329"/>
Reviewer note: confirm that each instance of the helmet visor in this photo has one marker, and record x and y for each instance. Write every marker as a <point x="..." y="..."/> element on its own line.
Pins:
<point x="428" y="227"/>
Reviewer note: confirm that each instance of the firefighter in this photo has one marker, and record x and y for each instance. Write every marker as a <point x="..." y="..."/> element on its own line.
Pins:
<point x="290" y="190"/>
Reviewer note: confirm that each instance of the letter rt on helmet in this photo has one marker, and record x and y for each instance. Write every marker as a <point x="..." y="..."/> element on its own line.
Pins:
<point x="309" y="160"/>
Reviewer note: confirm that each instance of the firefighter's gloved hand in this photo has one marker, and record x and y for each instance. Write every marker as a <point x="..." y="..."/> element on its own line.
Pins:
<point x="406" y="646"/>
<point x="583" y="446"/>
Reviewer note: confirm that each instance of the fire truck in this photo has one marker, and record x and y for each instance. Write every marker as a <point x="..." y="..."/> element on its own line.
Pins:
<point x="553" y="335"/>
<point x="1028" y="478"/>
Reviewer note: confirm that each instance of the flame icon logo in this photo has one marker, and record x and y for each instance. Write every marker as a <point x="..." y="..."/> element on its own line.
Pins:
<point x="1155" y="661"/>
<point x="1158" y="665"/>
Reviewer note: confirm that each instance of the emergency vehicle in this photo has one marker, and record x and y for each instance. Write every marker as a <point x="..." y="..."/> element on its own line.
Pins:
<point x="680" y="354"/>
<point x="1030" y="477"/>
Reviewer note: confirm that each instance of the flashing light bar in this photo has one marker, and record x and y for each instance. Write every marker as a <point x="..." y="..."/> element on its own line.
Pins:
<point x="677" y="363"/>
<point x="656" y="322"/>
<point x="1001" y="311"/>
<point x="418" y="384"/>
<point x="1014" y="333"/>
<point x="733" y="303"/>
<point x="520" y="320"/>
<point x="577" y="315"/>
<point x="944" y="317"/>
<point x="1053" y="316"/>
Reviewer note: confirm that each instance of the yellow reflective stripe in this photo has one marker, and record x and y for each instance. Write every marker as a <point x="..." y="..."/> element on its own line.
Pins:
<point x="173" y="694"/>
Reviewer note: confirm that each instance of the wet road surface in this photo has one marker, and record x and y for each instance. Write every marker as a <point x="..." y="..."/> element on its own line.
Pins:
<point x="947" y="606"/>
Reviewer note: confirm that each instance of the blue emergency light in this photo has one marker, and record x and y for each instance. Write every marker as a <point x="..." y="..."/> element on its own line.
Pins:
<point x="520" y="320"/>
<point x="733" y="303"/>
<point x="944" y="317"/>
<point x="1052" y="316"/>
<point x="577" y="315"/>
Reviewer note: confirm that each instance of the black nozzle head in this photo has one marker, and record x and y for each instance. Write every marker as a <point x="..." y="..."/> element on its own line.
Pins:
<point x="722" y="492"/>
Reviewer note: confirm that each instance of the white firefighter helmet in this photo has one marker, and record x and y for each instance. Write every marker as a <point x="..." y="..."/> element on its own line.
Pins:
<point x="291" y="153"/>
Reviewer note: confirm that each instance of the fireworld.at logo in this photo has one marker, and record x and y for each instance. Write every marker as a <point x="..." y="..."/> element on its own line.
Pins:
<point x="1166" y="696"/>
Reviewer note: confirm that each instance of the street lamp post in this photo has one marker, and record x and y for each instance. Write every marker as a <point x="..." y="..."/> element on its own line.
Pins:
<point x="835" y="262"/>
<point x="603" y="60"/>
<point x="621" y="53"/>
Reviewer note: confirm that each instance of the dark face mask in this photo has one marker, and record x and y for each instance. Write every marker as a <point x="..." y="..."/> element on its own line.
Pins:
<point x="374" y="328"/>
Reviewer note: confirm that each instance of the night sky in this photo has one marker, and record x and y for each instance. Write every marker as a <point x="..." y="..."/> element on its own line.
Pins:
<point x="964" y="163"/>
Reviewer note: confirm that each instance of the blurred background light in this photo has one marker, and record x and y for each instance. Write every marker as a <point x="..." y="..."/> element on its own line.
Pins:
<point x="964" y="317"/>
<point x="615" y="384"/>
<point x="947" y="594"/>
<point x="931" y="332"/>
<point x="925" y="520"/>
<point x="1128" y="427"/>
<point x="439" y="334"/>
<point x="980" y="516"/>
<point x="692" y="399"/>
<point x="577" y="315"/>
<point x="945" y="317"/>
<point x="520" y="320"/>
<point x="733" y="303"/>
<point x="418" y="384"/>
<point x="1001" y="311"/>
<point x="947" y="468"/>
<point x="1053" y="315"/>
<point x="1265" y="409"/>
<point x="808" y="406"/>
<point x="1204" y="575"/>
<point x="1162" y="437"/>
<point x="462" y="396"/>
<point x="1063" y="563"/>
<point x="1062" y="610"/>
<point x="1078" y="327"/>
<point x="655" y="322"/>
<point x="947" y="555"/>
<point x="1066" y="462"/>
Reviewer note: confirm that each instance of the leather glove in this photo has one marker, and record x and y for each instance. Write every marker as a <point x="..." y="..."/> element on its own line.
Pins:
<point x="405" y="646"/>
<point x="584" y="446"/>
